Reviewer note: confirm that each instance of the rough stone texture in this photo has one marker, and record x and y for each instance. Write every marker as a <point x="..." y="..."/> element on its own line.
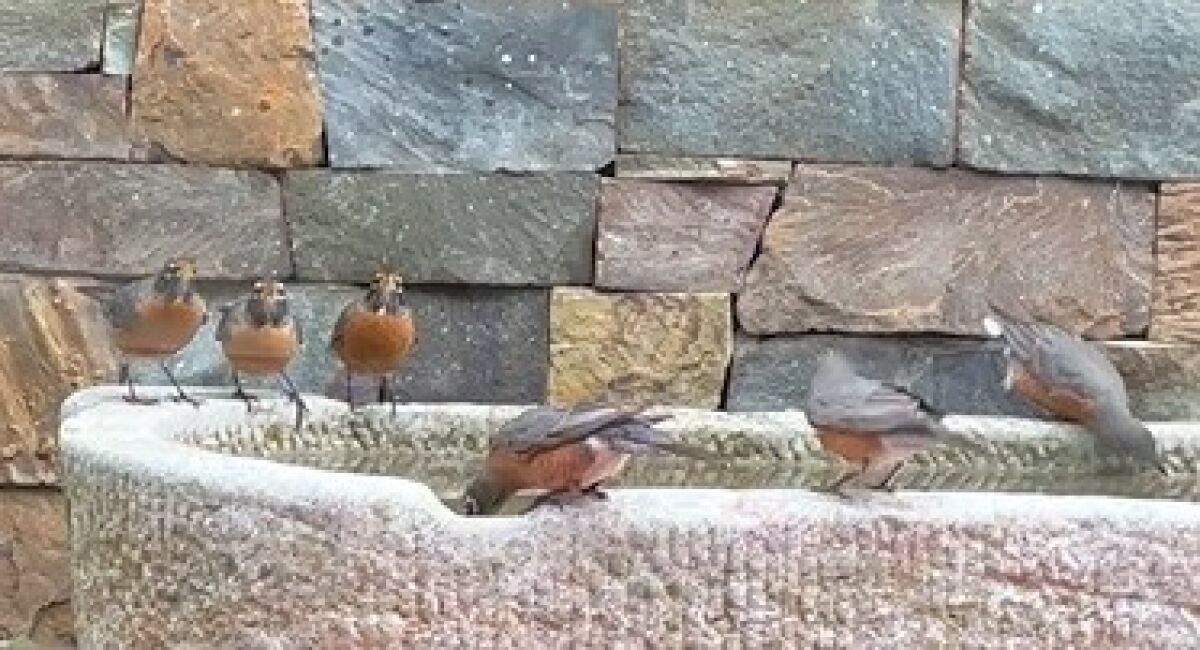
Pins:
<point x="872" y="249"/>
<point x="35" y="586"/>
<point x="228" y="83"/>
<point x="128" y="219"/>
<point x="53" y="340"/>
<point x="474" y="344"/>
<point x="63" y="116"/>
<point x="50" y="35"/>
<point x="120" y="38"/>
<point x="272" y="555"/>
<point x="1176" y="312"/>
<point x="653" y="167"/>
<point x="1068" y="87"/>
<point x="678" y="236"/>
<point x="953" y="375"/>
<point x="639" y="348"/>
<point x="523" y="85"/>
<point x="844" y="81"/>
<point x="457" y="228"/>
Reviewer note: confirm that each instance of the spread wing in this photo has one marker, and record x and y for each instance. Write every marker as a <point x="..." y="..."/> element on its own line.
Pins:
<point x="1059" y="358"/>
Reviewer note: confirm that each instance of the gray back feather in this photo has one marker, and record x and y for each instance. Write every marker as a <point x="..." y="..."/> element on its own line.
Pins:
<point x="547" y="427"/>
<point x="840" y="398"/>
<point x="121" y="308"/>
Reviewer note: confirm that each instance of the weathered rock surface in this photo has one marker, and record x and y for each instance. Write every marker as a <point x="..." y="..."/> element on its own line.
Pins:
<point x="522" y="85"/>
<point x="961" y="376"/>
<point x="53" y="341"/>
<point x="228" y="83"/>
<point x="1175" y="315"/>
<point x="1068" y="87"/>
<point x="872" y="249"/>
<point x="473" y="345"/>
<point x="655" y="167"/>
<point x="50" y="35"/>
<point x="120" y="38"/>
<point x="35" y="583"/>
<point x="843" y="81"/>
<point x="63" y="116"/>
<point x="678" y="236"/>
<point x="125" y="219"/>
<point x="456" y="228"/>
<point x="639" y="348"/>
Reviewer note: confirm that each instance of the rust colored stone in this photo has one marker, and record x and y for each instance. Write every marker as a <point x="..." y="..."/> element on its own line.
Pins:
<point x="228" y="83"/>
<point x="35" y="581"/>
<point x="53" y="341"/>
<point x="1175" y="315"/>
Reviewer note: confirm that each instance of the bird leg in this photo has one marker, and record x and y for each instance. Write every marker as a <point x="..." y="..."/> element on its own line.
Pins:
<point x="240" y="393"/>
<point x="182" y="396"/>
<point x="126" y="377"/>
<point x="294" y="395"/>
<point x="386" y="394"/>
<point x="594" y="491"/>
<point x="839" y="487"/>
<point x="886" y="483"/>
<point x="349" y="390"/>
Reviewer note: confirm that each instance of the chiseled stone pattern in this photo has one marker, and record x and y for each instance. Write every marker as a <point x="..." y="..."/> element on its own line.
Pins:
<point x="455" y="228"/>
<point x="953" y="375"/>
<point x="876" y="249"/>
<point x="1076" y="88"/>
<point x="836" y="81"/>
<point x="53" y="340"/>
<point x="473" y="344"/>
<point x="657" y="167"/>
<point x="130" y="219"/>
<point x="678" y="236"/>
<point x="228" y="83"/>
<point x="476" y="84"/>
<point x="283" y="556"/>
<point x="63" y="116"/>
<point x="35" y="586"/>
<point x="1175" y="315"/>
<point x="639" y="348"/>
<point x="120" y="37"/>
<point x="50" y="35"/>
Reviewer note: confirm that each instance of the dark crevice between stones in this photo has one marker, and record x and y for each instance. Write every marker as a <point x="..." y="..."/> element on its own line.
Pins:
<point x="608" y="170"/>
<point x="280" y="177"/>
<point x="776" y="205"/>
<point x="959" y="79"/>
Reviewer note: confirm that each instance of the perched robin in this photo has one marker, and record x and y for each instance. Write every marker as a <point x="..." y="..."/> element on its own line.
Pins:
<point x="375" y="334"/>
<point x="1072" y="379"/>
<point x="871" y="423"/>
<point x="259" y="336"/>
<point x="566" y="452"/>
<point x="154" y="318"/>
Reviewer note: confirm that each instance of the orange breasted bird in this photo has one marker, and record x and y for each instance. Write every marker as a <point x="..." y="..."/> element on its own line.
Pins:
<point x="153" y="319"/>
<point x="1072" y="379"/>
<point x="567" y="452"/>
<point x="375" y="334"/>
<point x="259" y="336"/>
<point x="873" y="424"/>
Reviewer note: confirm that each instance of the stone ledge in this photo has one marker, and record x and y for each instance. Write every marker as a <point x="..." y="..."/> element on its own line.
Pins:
<point x="266" y="553"/>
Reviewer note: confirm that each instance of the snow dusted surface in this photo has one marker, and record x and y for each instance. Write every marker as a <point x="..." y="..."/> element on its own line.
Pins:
<point x="175" y="544"/>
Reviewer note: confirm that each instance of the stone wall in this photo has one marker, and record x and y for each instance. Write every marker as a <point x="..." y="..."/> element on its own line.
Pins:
<point x="597" y="198"/>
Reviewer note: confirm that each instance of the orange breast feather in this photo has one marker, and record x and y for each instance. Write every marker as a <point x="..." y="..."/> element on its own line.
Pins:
<point x="161" y="328"/>
<point x="850" y="445"/>
<point x="375" y="344"/>
<point x="260" y="350"/>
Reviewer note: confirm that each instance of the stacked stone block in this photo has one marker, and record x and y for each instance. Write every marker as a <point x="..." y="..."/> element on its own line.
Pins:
<point x="652" y="201"/>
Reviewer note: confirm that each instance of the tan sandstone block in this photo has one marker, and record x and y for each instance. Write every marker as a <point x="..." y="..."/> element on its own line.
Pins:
<point x="1175" y="314"/>
<point x="35" y="582"/>
<point x="53" y="341"/>
<point x="228" y="82"/>
<point x="639" y="348"/>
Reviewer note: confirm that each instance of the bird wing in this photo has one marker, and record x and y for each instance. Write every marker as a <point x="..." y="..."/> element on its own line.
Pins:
<point x="544" y="428"/>
<point x="1061" y="359"/>
<point x="841" y="399"/>
<point x="230" y="316"/>
<point x="339" y="327"/>
<point x="121" y="308"/>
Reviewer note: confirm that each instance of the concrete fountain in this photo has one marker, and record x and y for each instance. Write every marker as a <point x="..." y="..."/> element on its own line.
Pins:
<point x="214" y="527"/>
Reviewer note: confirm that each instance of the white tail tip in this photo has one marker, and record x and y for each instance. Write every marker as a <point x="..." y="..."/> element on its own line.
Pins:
<point x="992" y="326"/>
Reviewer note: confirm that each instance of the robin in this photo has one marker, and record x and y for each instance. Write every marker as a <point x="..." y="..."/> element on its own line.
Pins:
<point x="259" y="336"/>
<point x="153" y="318"/>
<point x="375" y="334"/>
<point x="871" y="423"/>
<point x="1072" y="379"/>
<point x="566" y="452"/>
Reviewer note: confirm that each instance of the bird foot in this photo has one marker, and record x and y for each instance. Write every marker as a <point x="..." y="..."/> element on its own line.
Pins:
<point x="557" y="499"/>
<point x="141" y="401"/>
<point x="595" y="492"/>
<point x="249" y="399"/>
<point x="185" y="398"/>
